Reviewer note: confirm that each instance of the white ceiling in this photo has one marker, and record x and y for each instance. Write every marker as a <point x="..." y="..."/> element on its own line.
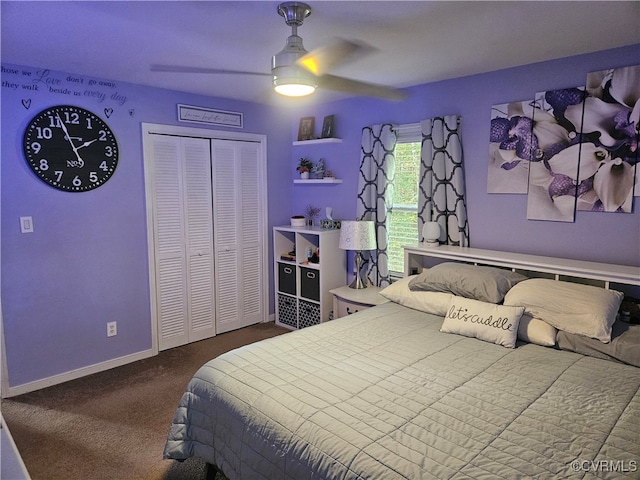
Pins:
<point x="417" y="41"/>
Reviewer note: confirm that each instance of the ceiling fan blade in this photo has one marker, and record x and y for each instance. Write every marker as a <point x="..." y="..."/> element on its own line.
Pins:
<point x="342" y="84"/>
<point x="184" y="69"/>
<point x="340" y="51"/>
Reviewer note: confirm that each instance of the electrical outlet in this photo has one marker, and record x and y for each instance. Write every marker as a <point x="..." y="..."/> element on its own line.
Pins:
<point x="112" y="329"/>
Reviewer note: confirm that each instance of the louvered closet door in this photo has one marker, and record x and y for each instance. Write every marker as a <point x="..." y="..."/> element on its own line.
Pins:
<point x="199" y="237"/>
<point x="183" y="240"/>
<point x="170" y="262"/>
<point x="237" y="235"/>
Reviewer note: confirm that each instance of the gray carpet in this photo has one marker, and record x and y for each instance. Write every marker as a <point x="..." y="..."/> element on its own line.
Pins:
<point x="113" y="425"/>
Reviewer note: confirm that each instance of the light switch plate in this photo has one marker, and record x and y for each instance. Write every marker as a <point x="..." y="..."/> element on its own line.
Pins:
<point x="26" y="225"/>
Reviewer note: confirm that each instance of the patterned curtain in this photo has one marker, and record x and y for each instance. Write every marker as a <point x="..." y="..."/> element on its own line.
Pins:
<point x="375" y="193"/>
<point x="442" y="194"/>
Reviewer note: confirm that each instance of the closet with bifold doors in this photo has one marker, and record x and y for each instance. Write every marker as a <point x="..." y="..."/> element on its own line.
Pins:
<point x="206" y="220"/>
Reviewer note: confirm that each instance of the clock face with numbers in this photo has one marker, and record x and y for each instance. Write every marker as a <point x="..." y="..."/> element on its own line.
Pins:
<point x="70" y="148"/>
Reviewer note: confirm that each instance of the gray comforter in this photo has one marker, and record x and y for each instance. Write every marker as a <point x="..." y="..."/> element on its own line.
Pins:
<point x="382" y="394"/>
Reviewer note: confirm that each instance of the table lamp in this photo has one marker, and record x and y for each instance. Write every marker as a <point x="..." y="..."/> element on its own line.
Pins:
<point x="358" y="235"/>
<point x="431" y="233"/>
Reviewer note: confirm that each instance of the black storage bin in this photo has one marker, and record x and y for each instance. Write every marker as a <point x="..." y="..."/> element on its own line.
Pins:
<point x="310" y="283"/>
<point x="287" y="278"/>
<point x="288" y="310"/>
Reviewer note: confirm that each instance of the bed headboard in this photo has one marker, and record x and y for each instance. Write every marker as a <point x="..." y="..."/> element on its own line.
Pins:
<point x="621" y="277"/>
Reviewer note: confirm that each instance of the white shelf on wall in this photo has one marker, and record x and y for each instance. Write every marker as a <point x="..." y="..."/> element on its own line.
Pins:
<point x="318" y="141"/>
<point x="319" y="181"/>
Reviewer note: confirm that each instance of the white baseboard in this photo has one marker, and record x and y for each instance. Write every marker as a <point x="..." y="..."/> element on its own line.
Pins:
<point x="12" y="465"/>
<point x="74" y="374"/>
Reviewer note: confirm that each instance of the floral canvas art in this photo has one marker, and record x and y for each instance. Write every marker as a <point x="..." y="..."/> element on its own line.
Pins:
<point x="509" y="148"/>
<point x="570" y="149"/>
<point x="609" y="150"/>
<point x="555" y="154"/>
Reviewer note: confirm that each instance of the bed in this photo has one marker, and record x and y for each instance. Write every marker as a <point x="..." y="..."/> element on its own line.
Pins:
<point x="427" y="387"/>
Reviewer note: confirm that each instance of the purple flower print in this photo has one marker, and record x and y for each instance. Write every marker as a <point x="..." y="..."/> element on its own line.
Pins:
<point x="561" y="99"/>
<point x="561" y="185"/>
<point x="514" y="133"/>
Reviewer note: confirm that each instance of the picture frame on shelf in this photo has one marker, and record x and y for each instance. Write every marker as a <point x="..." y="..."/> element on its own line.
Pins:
<point x="305" y="130"/>
<point x="328" y="126"/>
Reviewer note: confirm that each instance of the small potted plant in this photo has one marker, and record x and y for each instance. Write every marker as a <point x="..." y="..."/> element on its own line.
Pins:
<point x="304" y="167"/>
<point x="312" y="212"/>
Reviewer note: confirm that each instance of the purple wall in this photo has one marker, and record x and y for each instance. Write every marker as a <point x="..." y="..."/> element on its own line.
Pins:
<point x="496" y="221"/>
<point x="86" y="263"/>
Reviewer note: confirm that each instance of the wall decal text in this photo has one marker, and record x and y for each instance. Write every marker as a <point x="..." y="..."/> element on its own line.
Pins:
<point x="46" y="81"/>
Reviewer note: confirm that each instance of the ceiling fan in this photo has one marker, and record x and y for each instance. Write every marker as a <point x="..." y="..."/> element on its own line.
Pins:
<point x="296" y="72"/>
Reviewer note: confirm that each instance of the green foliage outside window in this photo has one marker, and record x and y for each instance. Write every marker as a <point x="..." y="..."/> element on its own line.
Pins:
<point x="402" y="224"/>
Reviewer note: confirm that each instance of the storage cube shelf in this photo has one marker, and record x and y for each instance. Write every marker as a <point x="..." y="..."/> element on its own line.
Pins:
<point x="302" y="287"/>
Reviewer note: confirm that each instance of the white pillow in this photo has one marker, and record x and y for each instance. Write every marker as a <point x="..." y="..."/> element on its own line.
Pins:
<point x="572" y="307"/>
<point x="485" y="321"/>
<point x="436" y="303"/>
<point x="534" y="330"/>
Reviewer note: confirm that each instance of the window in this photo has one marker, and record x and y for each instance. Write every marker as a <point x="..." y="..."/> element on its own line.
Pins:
<point x="402" y="222"/>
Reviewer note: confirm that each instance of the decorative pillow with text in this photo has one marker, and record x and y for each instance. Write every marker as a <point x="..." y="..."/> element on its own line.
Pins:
<point x="485" y="321"/>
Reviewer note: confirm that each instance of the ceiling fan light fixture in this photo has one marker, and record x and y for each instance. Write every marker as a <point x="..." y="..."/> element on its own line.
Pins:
<point x="297" y="73"/>
<point x="294" y="89"/>
<point x="293" y="82"/>
<point x="288" y="78"/>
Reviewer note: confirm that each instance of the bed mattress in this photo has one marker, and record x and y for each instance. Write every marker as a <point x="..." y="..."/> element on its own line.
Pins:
<point x="383" y="394"/>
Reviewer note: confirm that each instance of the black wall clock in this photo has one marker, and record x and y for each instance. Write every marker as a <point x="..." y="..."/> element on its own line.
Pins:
<point x="70" y="148"/>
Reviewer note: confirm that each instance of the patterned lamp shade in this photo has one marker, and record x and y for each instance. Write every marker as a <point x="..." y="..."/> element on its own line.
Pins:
<point x="357" y="235"/>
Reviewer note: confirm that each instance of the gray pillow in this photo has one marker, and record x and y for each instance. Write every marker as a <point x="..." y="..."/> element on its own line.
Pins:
<point x="487" y="284"/>
<point x="624" y="345"/>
